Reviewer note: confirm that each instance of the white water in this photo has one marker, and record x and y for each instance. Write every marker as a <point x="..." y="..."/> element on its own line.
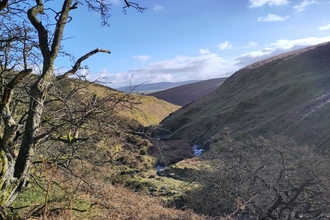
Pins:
<point x="197" y="152"/>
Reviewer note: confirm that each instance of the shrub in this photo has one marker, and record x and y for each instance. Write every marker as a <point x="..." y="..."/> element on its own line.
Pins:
<point x="272" y="177"/>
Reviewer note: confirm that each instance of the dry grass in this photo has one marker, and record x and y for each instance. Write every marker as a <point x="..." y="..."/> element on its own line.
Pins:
<point x="147" y="110"/>
<point x="123" y="204"/>
<point x="79" y="186"/>
<point x="84" y="190"/>
<point x="97" y="200"/>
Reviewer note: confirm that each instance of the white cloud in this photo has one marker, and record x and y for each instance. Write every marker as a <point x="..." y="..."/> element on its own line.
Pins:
<point x="115" y="2"/>
<point x="249" y="45"/>
<point x="326" y="27"/>
<point x="276" y="48"/>
<point x="288" y="44"/>
<point x="260" y="3"/>
<point x="252" y="44"/>
<point x="142" y="57"/>
<point x="204" y="51"/>
<point x="181" y="68"/>
<point x="158" y="7"/>
<point x="273" y="17"/>
<point x="224" y="46"/>
<point x="254" y="56"/>
<point x="303" y="5"/>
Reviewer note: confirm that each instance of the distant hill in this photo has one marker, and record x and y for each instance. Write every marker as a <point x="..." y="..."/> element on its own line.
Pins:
<point x="153" y="87"/>
<point x="182" y="95"/>
<point x="288" y="94"/>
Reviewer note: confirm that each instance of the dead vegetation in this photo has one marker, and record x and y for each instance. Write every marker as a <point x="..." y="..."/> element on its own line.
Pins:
<point x="269" y="178"/>
<point x="68" y="197"/>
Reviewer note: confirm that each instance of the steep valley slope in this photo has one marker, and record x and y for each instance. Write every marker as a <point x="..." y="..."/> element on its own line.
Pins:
<point x="287" y="94"/>
<point x="182" y="95"/>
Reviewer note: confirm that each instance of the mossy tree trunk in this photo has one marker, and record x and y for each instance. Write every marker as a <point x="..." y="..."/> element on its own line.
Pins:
<point x="16" y="153"/>
<point x="9" y="185"/>
<point x="14" y="170"/>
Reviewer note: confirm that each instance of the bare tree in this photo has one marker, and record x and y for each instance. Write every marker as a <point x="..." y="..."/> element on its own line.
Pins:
<point x="77" y="131"/>
<point x="271" y="178"/>
<point x="21" y="137"/>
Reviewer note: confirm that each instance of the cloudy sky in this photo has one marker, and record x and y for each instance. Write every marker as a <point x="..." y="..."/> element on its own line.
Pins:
<point x="192" y="39"/>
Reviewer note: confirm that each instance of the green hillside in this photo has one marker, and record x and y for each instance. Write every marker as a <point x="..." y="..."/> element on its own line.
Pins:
<point x="93" y="173"/>
<point x="145" y="109"/>
<point x="265" y="134"/>
<point x="287" y="94"/>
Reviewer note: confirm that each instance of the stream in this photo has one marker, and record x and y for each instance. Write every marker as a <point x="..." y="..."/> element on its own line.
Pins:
<point x="197" y="152"/>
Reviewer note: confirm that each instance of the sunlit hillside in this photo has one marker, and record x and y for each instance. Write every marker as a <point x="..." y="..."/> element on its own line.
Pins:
<point x="287" y="94"/>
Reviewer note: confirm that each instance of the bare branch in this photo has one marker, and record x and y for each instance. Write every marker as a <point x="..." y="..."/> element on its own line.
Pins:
<point x="3" y="4"/>
<point x="9" y="40"/>
<point x="76" y="66"/>
<point x="133" y="5"/>
<point x="10" y="86"/>
<point x="42" y="32"/>
<point x="60" y="28"/>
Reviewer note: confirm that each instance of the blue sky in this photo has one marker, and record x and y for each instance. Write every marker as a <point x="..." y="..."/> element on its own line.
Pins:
<point x="192" y="39"/>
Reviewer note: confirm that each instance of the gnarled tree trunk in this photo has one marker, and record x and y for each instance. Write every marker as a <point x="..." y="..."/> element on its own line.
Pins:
<point x="9" y="185"/>
<point x="15" y="173"/>
<point x="15" y="165"/>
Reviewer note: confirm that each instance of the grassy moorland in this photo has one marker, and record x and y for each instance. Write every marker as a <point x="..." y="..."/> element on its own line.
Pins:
<point x="262" y="131"/>
<point x="67" y="198"/>
<point x="93" y="173"/>
<point x="146" y="110"/>
<point x="287" y="94"/>
<point x="265" y="131"/>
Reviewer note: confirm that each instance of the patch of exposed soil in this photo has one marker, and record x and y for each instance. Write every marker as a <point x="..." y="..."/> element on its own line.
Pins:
<point x="171" y="151"/>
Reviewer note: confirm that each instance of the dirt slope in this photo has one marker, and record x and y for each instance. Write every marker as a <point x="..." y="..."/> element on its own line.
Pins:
<point x="288" y="94"/>
<point x="182" y="95"/>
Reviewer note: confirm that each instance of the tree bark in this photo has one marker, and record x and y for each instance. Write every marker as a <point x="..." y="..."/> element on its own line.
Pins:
<point x="3" y="4"/>
<point x="39" y="89"/>
<point x="14" y="174"/>
<point x="14" y="171"/>
<point x="8" y="184"/>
